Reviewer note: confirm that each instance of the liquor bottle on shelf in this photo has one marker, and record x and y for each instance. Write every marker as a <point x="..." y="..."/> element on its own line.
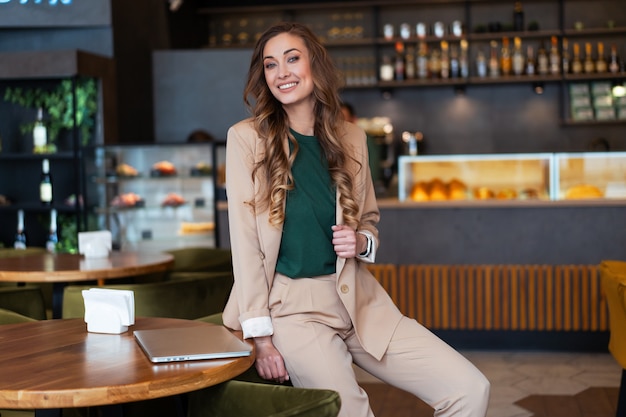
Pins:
<point x="589" y="64"/>
<point x="530" y="61"/>
<point x="40" y="134"/>
<point x="601" y="65"/>
<point x="494" y="64"/>
<point x="386" y="69"/>
<point x="518" y="16"/>
<point x="455" y="62"/>
<point x="565" y="58"/>
<point x="613" y="60"/>
<point x="464" y="60"/>
<point x="422" y="60"/>
<point x="20" y="235"/>
<point x="481" y="64"/>
<point x="53" y="238"/>
<point x="518" y="60"/>
<point x="555" y="57"/>
<point x="505" y="57"/>
<point x="434" y="63"/>
<point x="445" y="60"/>
<point x="398" y="67"/>
<point x="543" y="63"/>
<point x="577" y="64"/>
<point x="45" y="186"/>
<point x="409" y="63"/>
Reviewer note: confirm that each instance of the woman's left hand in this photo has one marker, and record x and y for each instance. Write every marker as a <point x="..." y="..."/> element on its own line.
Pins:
<point x="345" y="241"/>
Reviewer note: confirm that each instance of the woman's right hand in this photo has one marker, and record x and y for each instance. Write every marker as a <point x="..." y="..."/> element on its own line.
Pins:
<point x="269" y="362"/>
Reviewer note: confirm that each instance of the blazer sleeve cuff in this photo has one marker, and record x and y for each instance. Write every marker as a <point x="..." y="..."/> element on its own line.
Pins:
<point x="257" y="327"/>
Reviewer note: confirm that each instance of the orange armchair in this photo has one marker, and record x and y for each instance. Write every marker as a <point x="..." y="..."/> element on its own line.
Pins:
<point x="613" y="274"/>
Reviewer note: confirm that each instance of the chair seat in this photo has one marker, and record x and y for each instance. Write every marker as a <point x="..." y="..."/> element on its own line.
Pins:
<point x="247" y="399"/>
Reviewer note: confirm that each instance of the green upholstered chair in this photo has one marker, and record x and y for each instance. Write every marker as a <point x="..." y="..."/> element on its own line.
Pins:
<point x="613" y="275"/>
<point x="246" y="399"/>
<point x="185" y="298"/>
<point x="27" y="300"/>
<point x="46" y="287"/>
<point x="11" y="317"/>
<point x="200" y="259"/>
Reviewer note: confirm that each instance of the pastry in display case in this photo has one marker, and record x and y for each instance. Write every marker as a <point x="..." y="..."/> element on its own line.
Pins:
<point x="475" y="177"/>
<point x="157" y="197"/>
<point x="590" y="175"/>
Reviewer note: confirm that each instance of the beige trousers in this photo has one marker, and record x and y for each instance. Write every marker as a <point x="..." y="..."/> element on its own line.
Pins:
<point x="313" y="332"/>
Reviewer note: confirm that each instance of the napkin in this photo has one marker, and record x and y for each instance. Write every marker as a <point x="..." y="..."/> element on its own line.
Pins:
<point x="95" y="244"/>
<point x="109" y="311"/>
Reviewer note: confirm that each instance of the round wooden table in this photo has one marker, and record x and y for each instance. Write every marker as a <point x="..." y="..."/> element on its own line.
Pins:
<point x="64" y="267"/>
<point x="58" y="364"/>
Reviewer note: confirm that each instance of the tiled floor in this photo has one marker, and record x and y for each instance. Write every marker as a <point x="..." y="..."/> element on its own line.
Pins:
<point x="516" y="375"/>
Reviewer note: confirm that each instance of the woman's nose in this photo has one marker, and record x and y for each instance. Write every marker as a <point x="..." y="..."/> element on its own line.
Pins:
<point x="283" y="73"/>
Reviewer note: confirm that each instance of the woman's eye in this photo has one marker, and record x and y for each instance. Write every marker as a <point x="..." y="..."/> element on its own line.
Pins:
<point x="270" y="65"/>
<point x="293" y="59"/>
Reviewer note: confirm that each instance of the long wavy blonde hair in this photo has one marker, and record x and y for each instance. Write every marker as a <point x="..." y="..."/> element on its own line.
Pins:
<point x="272" y="126"/>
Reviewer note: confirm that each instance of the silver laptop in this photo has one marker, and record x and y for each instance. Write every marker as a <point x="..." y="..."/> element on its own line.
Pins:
<point x="190" y="343"/>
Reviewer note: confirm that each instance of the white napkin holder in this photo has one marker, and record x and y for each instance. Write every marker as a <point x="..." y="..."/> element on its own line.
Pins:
<point x="109" y="311"/>
<point x="95" y="244"/>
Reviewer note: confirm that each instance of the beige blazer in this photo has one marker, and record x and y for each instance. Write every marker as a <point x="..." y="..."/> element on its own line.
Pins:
<point x="255" y="244"/>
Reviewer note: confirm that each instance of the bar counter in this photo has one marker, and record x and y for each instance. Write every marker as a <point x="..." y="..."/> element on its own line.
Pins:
<point x="494" y="232"/>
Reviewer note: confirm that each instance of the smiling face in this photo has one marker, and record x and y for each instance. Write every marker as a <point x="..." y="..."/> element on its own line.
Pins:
<point x="287" y="69"/>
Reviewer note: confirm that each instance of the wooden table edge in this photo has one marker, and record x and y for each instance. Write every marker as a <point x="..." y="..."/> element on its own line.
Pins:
<point x="29" y="400"/>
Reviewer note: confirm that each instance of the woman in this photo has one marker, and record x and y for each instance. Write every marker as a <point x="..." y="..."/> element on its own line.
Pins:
<point x="302" y="222"/>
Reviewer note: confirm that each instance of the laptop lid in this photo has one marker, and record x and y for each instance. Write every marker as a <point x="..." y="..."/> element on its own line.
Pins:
<point x="190" y="343"/>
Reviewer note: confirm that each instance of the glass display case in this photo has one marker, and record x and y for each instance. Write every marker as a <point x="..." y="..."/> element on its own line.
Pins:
<point x="541" y="176"/>
<point x="475" y="177"/>
<point x="590" y="175"/>
<point x="157" y="197"/>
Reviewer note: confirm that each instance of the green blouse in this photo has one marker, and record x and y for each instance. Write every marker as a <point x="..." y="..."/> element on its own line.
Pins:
<point x="306" y="248"/>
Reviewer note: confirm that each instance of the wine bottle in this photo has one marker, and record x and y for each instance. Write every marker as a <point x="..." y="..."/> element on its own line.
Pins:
<point x="45" y="186"/>
<point x="422" y="60"/>
<point x="518" y="17"/>
<point x="518" y="60"/>
<point x="530" y="61"/>
<point x="409" y="64"/>
<point x="589" y="64"/>
<point x="505" y="57"/>
<point x="386" y="69"/>
<point x="40" y="134"/>
<point x="555" y="58"/>
<point x="399" y="68"/>
<point x="614" y="61"/>
<point x="601" y="64"/>
<point x="53" y="238"/>
<point x="20" y="236"/>
<point x="434" y="63"/>
<point x="543" y="66"/>
<point x="494" y="64"/>
<point x="481" y="64"/>
<point x="577" y="64"/>
<point x="565" y="59"/>
<point x="444" y="63"/>
<point x="455" y="62"/>
<point x="464" y="60"/>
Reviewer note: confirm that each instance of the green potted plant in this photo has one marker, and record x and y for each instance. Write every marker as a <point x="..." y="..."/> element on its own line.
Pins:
<point x="61" y="110"/>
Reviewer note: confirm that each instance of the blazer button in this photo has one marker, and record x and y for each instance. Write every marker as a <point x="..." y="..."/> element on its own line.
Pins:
<point x="345" y="289"/>
<point x="261" y="255"/>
